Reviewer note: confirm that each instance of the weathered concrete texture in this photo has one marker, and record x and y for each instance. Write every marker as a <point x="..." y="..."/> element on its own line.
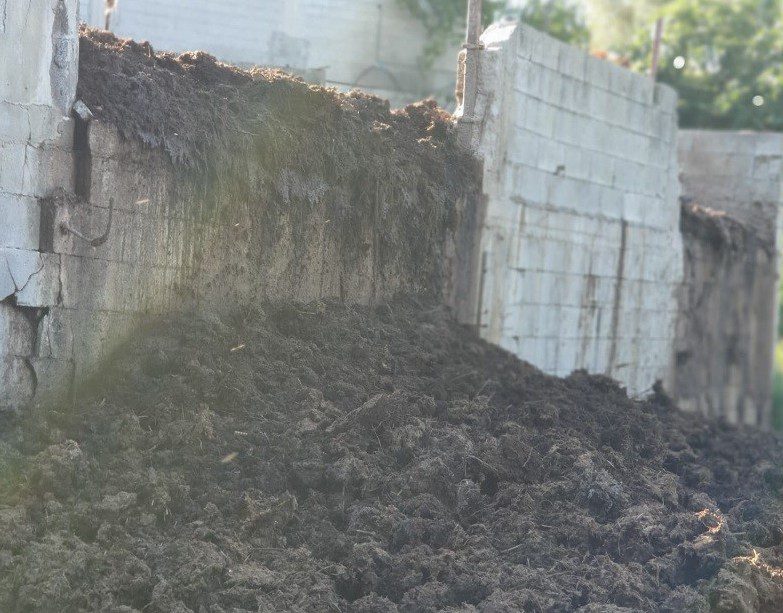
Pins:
<point x="375" y="45"/>
<point x="728" y="306"/>
<point x="18" y="344"/>
<point x="40" y="36"/>
<point x="740" y="173"/>
<point x="38" y="74"/>
<point x="245" y="226"/>
<point x="163" y="233"/>
<point x="167" y="251"/>
<point x="581" y="246"/>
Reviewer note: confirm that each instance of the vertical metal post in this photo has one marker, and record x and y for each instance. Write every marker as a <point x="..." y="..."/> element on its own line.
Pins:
<point x="107" y="13"/>
<point x="472" y="47"/>
<point x="656" y="53"/>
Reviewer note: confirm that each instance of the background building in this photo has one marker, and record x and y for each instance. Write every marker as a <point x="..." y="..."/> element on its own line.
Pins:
<point x="372" y="44"/>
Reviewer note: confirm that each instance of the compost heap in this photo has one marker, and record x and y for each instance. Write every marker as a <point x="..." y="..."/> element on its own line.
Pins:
<point x="287" y="189"/>
<point x="333" y="458"/>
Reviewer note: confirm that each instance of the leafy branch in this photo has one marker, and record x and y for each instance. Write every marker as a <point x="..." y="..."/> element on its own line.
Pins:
<point x="444" y="22"/>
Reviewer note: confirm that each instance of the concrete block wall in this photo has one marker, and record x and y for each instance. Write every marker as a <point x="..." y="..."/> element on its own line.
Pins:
<point x="371" y="44"/>
<point x="582" y="254"/>
<point x="581" y="248"/>
<point x="171" y="247"/>
<point x="727" y="326"/>
<point x="38" y="72"/>
<point x="740" y="173"/>
<point x="175" y="239"/>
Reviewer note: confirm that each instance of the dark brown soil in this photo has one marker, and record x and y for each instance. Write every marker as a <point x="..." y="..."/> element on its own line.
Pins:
<point x="327" y="458"/>
<point x="192" y="105"/>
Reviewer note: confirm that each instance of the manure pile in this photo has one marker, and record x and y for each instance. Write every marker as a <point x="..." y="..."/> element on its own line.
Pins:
<point x="332" y="458"/>
<point x="287" y="190"/>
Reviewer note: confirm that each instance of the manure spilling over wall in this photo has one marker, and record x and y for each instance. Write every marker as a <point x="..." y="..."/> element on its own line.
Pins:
<point x="216" y="187"/>
<point x="177" y="182"/>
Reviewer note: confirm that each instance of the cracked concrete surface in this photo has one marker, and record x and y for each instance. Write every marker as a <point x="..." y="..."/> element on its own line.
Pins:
<point x="36" y="92"/>
<point x="20" y="287"/>
<point x="31" y="278"/>
<point x="65" y="44"/>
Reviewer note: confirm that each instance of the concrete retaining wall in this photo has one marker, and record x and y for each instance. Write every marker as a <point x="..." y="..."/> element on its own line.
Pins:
<point x="582" y="249"/>
<point x="38" y="71"/>
<point x="226" y="235"/>
<point x="171" y="249"/>
<point x="737" y="172"/>
<point x="728" y="306"/>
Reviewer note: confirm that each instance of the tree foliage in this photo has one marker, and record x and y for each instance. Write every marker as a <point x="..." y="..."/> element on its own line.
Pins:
<point x="561" y="19"/>
<point x="732" y="77"/>
<point x="444" y="21"/>
<point x="613" y="23"/>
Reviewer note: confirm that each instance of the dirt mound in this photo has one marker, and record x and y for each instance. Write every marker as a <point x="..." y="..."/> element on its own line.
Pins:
<point x="326" y="458"/>
<point x="192" y="105"/>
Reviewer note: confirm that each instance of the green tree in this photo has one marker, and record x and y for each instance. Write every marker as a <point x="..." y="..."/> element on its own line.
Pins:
<point x="613" y="23"/>
<point x="444" y="20"/>
<point x="725" y="59"/>
<point x="561" y="19"/>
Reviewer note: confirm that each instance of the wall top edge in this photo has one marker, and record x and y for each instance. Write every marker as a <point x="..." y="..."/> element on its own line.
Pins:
<point x="577" y="63"/>
<point x="497" y="34"/>
<point x="691" y="132"/>
<point x="735" y="142"/>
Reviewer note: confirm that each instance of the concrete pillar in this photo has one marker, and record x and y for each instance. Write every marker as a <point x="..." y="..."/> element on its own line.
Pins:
<point x="39" y="46"/>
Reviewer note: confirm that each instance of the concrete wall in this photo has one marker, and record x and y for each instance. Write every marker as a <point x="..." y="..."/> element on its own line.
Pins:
<point x="582" y="249"/>
<point x="236" y="231"/>
<point x="39" y="51"/>
<point x="582" y="256"/>
<point x="371" y="44"/>
<point x="728" y="306"/>
<point x="176" y="243"/>
<point x="740" y="173"/>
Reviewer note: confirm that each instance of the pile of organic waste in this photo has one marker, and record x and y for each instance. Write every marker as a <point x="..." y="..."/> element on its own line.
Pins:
<point x="330" y="458"/>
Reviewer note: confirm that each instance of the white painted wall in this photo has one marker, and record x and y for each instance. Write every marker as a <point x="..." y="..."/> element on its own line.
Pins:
<point x="346" y="38"/>
<point x="582" y="248"/>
